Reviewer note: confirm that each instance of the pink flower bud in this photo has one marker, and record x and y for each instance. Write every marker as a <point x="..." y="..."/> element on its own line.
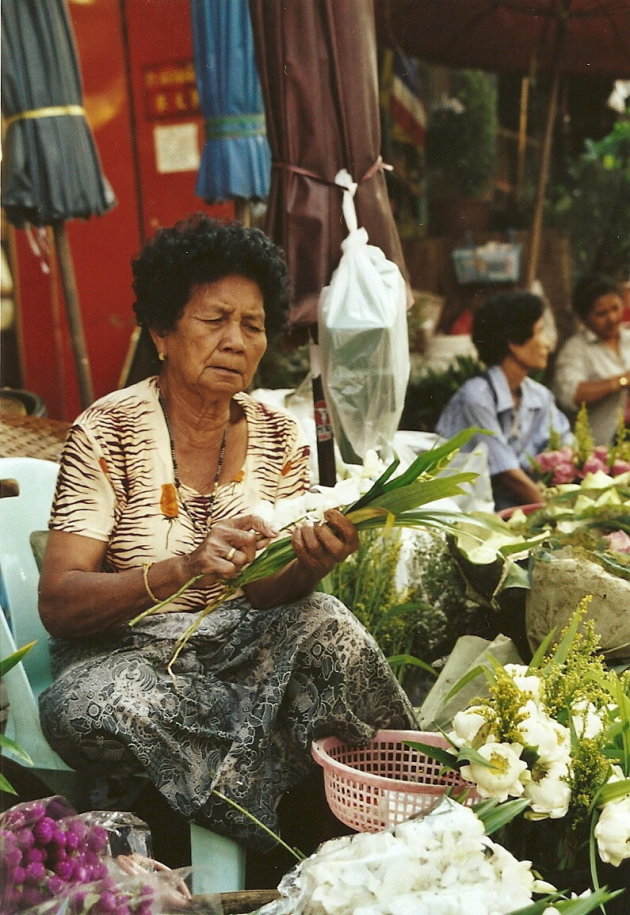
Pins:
<point x="618" y="541"/>
<point x="563" y="473"/>
<point x="592" y="464"/>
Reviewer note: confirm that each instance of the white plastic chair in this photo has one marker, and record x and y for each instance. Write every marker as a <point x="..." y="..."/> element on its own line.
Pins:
<point x="218" y="862"/>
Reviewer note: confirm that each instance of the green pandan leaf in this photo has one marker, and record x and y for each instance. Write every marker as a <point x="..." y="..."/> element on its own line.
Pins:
<point x="612" y="791"/>
<point x="6" y="664"/>
<point x="494" y="815"/>
<point x="471" y="674"/>
<point x="580" y="906"/>
<point x="399" y="660"/>
<point x="15" y="748"/>
<point x="448" y="760"/>
<point x="6" y="785"/>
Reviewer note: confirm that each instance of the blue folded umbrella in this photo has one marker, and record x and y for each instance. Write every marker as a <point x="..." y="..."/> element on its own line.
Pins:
<point x="236" y="162"/>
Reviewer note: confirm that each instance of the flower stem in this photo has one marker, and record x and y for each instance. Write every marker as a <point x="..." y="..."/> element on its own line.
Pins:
<point x="297" y="854"/>
<point x="163" y="603"/>
<point x="226" y="595"/>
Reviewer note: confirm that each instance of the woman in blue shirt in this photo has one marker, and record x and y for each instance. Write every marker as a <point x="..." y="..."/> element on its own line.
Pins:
<point x="509" y="335"/>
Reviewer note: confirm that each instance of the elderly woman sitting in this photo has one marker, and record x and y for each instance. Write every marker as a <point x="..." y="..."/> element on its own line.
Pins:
<point x="509" y="335"/>
<point x="156" y="486"/>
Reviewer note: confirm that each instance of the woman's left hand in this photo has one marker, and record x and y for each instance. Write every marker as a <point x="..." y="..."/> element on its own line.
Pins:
<point x="320" y="547"/>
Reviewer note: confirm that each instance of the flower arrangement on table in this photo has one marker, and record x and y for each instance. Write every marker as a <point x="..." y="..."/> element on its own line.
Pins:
<point x="572" y="463"/>
<point x="592" y="516"/>
<point x="555" y="733"/>
<point x="585" y="500"/>
<point x="384" y="503"/>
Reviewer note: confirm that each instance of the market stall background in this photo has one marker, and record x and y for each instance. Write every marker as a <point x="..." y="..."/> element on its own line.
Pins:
<point x="142" y="104"/>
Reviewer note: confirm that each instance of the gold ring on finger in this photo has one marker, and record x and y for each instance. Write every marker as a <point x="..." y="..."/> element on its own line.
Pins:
<point x="230" y="555"/>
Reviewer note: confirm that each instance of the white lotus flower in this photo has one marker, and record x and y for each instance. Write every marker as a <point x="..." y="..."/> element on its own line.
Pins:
<point x="613" y="831"/>
<point x="550" y="739"/>
<point x="466" y="724"/>
<point x="548" y="792"/>
<point x="502" y="779"/>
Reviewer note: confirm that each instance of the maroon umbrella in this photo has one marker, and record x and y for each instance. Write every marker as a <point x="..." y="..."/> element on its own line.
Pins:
<point x="581" y="36"/>
<point x="516" y="36"/>
<point x="318" y="71"/>
<point x="319" y="76"/>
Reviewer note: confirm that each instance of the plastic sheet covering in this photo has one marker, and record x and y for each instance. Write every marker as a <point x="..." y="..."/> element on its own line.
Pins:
<point x="364" y="342"/>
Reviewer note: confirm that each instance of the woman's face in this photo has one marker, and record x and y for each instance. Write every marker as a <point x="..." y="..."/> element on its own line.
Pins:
<point x="534" y="353"/>
<point x="219" y="339"/>
<point x="604" y="317"/>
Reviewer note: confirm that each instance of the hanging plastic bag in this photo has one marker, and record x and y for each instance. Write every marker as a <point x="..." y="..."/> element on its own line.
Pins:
<point x="363" y="341"/>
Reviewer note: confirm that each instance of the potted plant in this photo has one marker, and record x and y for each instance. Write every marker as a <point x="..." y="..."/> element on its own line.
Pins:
<point x="461" y="153"/>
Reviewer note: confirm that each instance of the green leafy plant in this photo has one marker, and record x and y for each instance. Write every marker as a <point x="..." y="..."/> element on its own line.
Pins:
<point x="461" y="137"/>
<point x="366" y="582"/>
<point x="6" y="664"/>
<point x="593" y="207"/>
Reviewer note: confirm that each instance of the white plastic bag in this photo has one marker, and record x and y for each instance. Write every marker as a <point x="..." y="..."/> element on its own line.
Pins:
<point x="363" y="341"/>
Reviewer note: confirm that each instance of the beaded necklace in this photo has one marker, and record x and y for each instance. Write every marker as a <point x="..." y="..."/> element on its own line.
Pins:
<point x="178" y="485"/>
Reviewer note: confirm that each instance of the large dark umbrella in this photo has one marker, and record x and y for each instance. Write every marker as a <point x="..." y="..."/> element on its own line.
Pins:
<point x="517" y="36"/>
<point x="236" y="162"/>
<point x="50" y="167"/>
<point x="318" y="71"/>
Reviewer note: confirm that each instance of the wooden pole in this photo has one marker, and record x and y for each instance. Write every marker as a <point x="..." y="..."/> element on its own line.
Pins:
<point x="522" y="141"/>
<point x="545" y="158"/>
<point x="243" y="211"/>
<point x="68" y="281"/>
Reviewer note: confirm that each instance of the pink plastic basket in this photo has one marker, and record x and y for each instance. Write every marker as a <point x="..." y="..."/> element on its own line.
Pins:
<point x="385" y="782"/>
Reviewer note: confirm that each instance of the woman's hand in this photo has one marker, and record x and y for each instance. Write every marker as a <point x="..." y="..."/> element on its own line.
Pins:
<point x="320" y="547"/>
<point x="229" y="546"/>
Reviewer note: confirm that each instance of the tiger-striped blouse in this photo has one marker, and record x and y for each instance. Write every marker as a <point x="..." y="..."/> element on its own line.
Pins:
<point x="116" y="481"/>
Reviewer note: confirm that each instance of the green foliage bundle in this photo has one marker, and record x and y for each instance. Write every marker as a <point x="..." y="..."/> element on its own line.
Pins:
<point x="593" y="207"/>
<point x="461" y="137"/>
<point x="366" y="582"/>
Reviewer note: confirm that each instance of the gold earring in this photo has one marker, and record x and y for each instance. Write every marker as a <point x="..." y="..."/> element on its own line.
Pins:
<point x="162" y="357"/>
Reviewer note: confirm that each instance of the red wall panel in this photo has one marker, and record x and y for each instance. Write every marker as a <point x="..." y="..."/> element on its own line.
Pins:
<point x="119" y="43"/>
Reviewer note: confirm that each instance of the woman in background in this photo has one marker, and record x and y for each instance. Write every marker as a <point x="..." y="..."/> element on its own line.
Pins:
<point x="593" y="366"/>
<point x="509" y="335"/>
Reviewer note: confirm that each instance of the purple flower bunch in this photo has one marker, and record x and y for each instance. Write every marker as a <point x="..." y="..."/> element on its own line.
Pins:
<point x="50" y="857"/>
<point x="565" y="465"/>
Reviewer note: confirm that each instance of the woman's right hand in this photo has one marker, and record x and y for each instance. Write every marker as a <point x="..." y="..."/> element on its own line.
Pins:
<point x="229" y="546"/>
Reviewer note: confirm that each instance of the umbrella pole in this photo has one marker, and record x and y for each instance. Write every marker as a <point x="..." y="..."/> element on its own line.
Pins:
<point x="66" y="269"/>
<point x="543" y="174"/>
<point x="522" y="141"/>
<point x="243" y="211"/>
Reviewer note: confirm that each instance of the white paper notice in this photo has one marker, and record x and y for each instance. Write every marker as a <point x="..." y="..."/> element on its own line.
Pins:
<point x="176" y="148"/>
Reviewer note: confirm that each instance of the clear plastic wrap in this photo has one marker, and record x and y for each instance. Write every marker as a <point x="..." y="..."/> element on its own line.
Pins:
<point x="54" y="860"/>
